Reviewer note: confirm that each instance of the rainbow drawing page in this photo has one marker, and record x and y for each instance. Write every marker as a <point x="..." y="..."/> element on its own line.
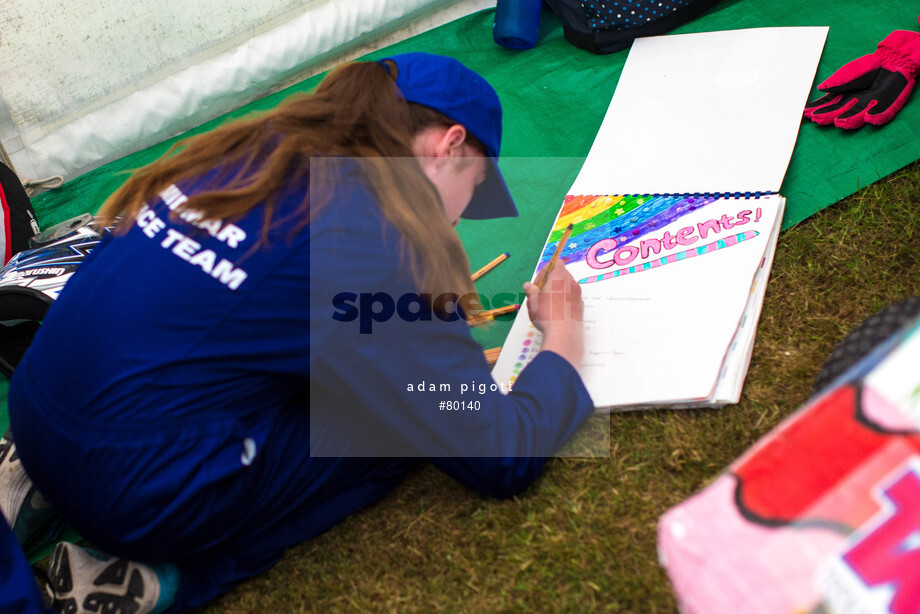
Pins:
<point x="675" y="216"/>
<point x="665" y="281"/>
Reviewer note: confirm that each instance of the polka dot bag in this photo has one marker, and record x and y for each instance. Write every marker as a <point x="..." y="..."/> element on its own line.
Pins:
<point x="605" y="26"/>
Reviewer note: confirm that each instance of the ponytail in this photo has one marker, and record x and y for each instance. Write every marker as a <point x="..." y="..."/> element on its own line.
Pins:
<point x="355" y="112"/>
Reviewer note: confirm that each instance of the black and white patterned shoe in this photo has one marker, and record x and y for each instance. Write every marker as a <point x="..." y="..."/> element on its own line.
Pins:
<point x="14" y="483"/>
<point x="34" y="522"/>
<point x="81" y="580"/>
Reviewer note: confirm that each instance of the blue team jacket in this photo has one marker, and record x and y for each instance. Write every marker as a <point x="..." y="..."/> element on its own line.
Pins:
<point x="159" y="374"/>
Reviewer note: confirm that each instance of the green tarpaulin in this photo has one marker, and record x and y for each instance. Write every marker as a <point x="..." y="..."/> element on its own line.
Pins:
<point x="555" y="97"/>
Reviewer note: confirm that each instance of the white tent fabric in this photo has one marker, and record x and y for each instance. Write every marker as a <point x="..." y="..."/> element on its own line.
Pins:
<point x="89" y="81"/>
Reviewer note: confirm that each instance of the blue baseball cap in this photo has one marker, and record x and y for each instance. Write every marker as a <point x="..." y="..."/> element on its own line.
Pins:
<point x="463" y="96"/>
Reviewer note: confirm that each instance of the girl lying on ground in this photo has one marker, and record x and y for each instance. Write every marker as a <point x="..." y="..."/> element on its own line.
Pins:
<point x="203" y="394"/>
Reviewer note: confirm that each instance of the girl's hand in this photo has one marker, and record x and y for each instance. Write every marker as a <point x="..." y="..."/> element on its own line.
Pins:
<point x="557" y="311"/>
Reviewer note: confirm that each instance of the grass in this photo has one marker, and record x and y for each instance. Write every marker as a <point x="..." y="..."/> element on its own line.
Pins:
<point x="583" y="537"/>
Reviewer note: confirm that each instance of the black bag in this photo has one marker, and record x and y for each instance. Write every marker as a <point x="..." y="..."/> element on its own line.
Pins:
<point x="605" y="26"/>
<point x="17" y="226"/>
<point x="17" y="218"/>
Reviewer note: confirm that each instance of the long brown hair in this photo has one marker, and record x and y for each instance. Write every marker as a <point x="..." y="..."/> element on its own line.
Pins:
<point x="357" y="112"/>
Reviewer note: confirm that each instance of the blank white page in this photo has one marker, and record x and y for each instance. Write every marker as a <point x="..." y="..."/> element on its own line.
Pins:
<point x="707" y="112"/>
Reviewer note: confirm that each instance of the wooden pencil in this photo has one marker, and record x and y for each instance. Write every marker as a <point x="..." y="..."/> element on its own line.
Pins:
<point x="549" y="267"/>
<point x="477" y="320"/>
<point x="495" y="262"/>
<point x="492" y="355"/>
<point x="498" y="311"/>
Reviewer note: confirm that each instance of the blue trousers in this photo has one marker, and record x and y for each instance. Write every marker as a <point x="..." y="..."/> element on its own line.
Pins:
<point x="218" y="531"/>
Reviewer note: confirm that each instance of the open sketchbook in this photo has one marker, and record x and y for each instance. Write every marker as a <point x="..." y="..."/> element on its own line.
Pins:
<point x="675" y="215"/>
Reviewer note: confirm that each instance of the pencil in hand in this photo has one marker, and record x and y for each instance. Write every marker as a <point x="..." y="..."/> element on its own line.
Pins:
<point x="552" y="262"/>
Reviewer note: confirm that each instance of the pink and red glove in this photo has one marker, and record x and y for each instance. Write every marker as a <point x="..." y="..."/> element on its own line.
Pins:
<point x="872" y="88"/>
